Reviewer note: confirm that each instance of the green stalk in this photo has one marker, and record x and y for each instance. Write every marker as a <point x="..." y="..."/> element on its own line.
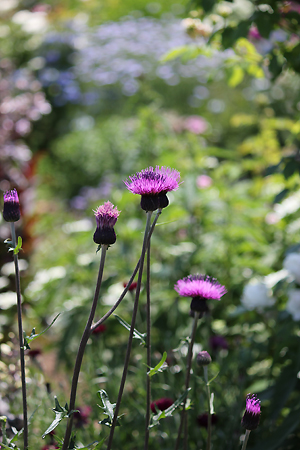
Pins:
<point x="130" y="339"/>
<point x="208" y="442"/>
<point x="148" y="379"/>
<point x="82" y="345"/>
<point x="114" y="307"/>
<point x="21" y="339"/>
<point x="187" y="383"/>
<point x="246" y="439"/>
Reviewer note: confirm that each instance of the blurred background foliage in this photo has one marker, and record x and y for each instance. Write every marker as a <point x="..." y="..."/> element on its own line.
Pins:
<point x="92" y="92"/>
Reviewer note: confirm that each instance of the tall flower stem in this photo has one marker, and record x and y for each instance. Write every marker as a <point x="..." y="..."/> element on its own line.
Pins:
<point x="246" y="439"/>
<point x="148" y="379"/>
<point x="21" y="339"/>
<point x="81" y="349"/>
<point x="208" y="442"/>
<point x="114" y="307"/>
<point x="187" y="381"/>
<point x="130" y="339"/>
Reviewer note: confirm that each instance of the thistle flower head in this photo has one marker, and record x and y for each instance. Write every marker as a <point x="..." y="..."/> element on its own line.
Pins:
<point x="201" y="286"/>
<point x="251" y="415"/>
<point x="153" y="184"/>
<point x="153" y="181"/>
<point x="106" y="217"/>
<point x="11" y="209"/>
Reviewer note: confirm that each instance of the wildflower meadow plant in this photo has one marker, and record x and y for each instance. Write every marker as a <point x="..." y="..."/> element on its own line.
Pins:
<point x="200" y="288"/>
<point x="152" y="185"/>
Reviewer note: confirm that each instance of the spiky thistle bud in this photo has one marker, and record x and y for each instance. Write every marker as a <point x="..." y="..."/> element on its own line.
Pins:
<point x="11" y="209"/>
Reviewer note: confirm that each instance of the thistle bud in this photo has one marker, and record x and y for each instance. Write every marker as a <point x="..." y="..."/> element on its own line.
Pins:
<point x="11" y="209"/>
<point x="203" y="358"/>
<point x="251" y="415"/>
<point x="106" y="217"/>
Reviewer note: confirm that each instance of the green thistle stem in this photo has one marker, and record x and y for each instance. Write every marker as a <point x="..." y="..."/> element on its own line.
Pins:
<point x="148" y="379"/>
<point x="21" y="339"/>
<point x="246" y="439"/>
<point x="187" y="382"/>
<point x="208" y="442"/>
<point x="130" y="339"/>
<point x="114" y="307"/>
<point x="82" y="345"/>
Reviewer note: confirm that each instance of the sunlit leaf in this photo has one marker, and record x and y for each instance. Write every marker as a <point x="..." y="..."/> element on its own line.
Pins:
<point x="159" y="367"/>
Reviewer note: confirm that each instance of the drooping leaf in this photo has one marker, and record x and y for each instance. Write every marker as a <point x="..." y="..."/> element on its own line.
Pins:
<point x="159" y="367"/>
<point x="136" y="333"/>
<point x="108" y="408"/>
<point x="33" y="334"/>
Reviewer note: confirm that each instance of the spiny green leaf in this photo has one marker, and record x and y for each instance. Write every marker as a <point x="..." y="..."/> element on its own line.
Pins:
<point x="60" y="413"/>
<point x="108" y="408"/>
<point x="159" y="367"/>
<point x="136" y="333"/>
<point x="169" y="411"/>
<point x="33" y="334"/>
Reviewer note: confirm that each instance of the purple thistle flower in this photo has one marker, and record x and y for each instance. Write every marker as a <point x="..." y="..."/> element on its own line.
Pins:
<point x="11" y="209"/>
<point x="153" y="185"/>
<point x="251" y="415"/>
<point x="200" y="288"/>
<point x="106" y="217"/>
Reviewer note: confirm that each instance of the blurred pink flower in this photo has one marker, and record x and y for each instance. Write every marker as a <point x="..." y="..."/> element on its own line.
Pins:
<point x="254" y="33"/>
<point x="204" y="181"/>
<point x="195" y="124"/>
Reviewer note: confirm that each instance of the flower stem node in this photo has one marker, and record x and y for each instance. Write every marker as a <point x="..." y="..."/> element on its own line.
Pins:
<point x="11" y="209"/>
<point x="106" y="217"/>
<point x="251" y="415"/>
<point x="203" y="358"/>
<point x="153" y="186"/>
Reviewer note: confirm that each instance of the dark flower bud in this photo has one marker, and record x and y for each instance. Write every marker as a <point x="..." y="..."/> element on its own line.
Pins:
<point x="251" y="415"/>
<point x="106" y="217"/>
<point x="202" y="420"/>
<point x="11" y="209"/>
<point x="203" y="358"/>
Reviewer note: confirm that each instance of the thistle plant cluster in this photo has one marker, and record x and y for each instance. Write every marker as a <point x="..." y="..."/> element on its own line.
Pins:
<point x="153" y="185"/>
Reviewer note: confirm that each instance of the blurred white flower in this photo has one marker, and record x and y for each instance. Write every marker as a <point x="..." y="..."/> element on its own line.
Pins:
<point x="292" y="264"/>
<point x="293" y="304"/>
<point x="256" y="295"/>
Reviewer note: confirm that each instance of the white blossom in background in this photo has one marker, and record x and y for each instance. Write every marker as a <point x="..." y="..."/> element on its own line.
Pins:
<point x="292" y="264"/>
<point x="293" y="303"/>
<point x="256" y="295"/>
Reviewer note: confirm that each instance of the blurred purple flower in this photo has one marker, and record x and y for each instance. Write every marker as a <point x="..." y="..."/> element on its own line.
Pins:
<point x="202" y="420"/>
<point x="162" y="404"/>
<point x="81" y="417"/>
<point x="218" y="342"/>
